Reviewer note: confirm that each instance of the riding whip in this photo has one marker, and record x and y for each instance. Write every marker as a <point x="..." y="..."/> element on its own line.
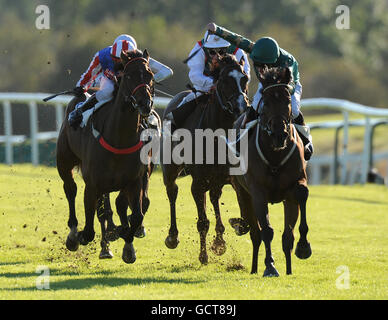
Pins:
<point x="58" y="94"/>
<point x="196" y="51"/>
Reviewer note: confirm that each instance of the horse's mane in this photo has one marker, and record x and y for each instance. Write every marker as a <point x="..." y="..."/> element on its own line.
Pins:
<point x="134" y="53"/>
<point x="275" y="75"/>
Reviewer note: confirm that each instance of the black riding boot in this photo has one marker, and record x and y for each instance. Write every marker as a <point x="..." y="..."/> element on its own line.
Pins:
<point x="179" y="115"/>
<point x="75" y="117"/>
<point x="308" y="144"/>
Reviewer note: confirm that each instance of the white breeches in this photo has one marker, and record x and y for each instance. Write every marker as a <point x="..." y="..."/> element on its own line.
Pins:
<point x="191" y="96"/>
<point x="295" y="99"/>
<point x="107" y="87"/>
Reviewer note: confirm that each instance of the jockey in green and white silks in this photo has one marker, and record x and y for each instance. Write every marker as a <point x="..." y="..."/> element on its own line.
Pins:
<point x="266" y="52"/>
<point x="200" y="64"/>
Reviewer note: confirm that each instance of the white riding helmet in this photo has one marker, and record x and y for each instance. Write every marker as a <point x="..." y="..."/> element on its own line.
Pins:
<point x="126" y="37"/>
<point x="213" y="41"/>
<point x="121" y="45"/>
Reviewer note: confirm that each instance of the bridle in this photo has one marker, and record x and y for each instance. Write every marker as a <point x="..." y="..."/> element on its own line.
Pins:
<point x="227" y="106"/>
<point x="266" y="126"/>
<point x="131" y="97"/>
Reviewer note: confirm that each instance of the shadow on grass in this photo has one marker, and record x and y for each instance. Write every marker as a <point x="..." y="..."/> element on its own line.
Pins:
<point x="341" y="198"/>
<point x="78" y="283"/>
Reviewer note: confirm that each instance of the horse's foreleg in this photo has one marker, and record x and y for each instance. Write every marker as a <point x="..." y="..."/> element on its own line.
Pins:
<point x="169" y="177"/>
<point x="70" y="189"/>
<point x="254" y="230"/>
<point x="262" y="214"/>
<point x="199" y="196"/>
<point x="65" y="166"/>
<point x="90" y="202"/>
<point x="303" y="248"/>
<point x="104" y="215"/>
<point x="132" y="196"/>
<point x="290" y="217"/>
<point x="219" y="245"/>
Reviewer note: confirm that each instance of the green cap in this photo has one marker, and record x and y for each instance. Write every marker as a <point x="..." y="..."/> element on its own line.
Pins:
<point x="265" y="50"/>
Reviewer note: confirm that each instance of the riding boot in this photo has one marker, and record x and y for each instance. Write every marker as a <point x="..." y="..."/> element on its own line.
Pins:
<point x="75" y="117"/>
<point x="304" y="133"/>
<point x="179" y="115"/>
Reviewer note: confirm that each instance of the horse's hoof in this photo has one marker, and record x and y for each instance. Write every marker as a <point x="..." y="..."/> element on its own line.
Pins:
<point x="129" y="254"/>
<point x="112" y="234"/>
<point x="218" y="247"/>
<point x="239" y="225"/>
<point x="303" y="250"/>
<point x="203" y="258"/>
<point x="85" y="239"/>
<point x="271" y="272"/>
<point x="105" y="254"/>
<point x="72" y="244"/>
<point x="171" y="242"/>
<point x="140" y="232"/>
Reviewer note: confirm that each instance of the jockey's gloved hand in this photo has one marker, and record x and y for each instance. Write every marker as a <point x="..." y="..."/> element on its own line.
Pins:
<point x="78" y="91"/>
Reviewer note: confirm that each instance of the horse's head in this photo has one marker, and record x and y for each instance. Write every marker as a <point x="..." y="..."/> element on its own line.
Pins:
<point x="275" y="116"/>
<point x="232" y="85"/>
<point x="137" y="81"/>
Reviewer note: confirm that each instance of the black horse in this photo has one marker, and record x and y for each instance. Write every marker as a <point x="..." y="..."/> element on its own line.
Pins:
<point x="276" y="173"/>
<point x="217" y="110"/>
<point x="107" y="151"/>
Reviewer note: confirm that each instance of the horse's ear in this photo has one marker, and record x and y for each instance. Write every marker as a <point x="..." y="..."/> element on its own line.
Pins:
<point x="124" y="57"/>
<point x="146" y="54"/>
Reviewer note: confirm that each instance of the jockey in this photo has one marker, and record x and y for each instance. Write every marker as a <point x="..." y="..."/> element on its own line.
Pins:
<point x="201" y="64"/>
<point x="266" y="52"/>
<point x="108" y="63"/>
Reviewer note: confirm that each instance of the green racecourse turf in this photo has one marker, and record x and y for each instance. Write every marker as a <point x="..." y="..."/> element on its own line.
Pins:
<point x="348" y="227"/>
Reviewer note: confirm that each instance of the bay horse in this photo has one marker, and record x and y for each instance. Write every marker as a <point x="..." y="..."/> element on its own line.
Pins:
<point x="107" y="151"/>
<point x="216" y="110"/>
<point x="276" y="173"/>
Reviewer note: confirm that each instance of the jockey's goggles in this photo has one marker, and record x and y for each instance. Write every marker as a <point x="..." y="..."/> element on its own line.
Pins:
<point x="220" y="51"/>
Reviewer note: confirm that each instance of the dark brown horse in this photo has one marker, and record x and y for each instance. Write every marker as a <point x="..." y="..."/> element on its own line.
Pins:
<point x="218" y="110"/>
<point x="276" y="173"/>
<point x="107" y="152"/>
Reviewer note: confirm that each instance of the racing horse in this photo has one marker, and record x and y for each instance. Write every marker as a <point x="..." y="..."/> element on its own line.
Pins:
<point x="216" y="110"/>
<point x="107" y="151"/>
<point x="276" y="173"/>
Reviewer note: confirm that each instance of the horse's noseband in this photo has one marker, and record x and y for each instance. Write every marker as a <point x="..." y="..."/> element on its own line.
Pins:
<point x="131" y="98"/>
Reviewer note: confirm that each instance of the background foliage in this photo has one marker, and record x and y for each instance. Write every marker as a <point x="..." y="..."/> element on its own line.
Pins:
<point x="346" y="64"/>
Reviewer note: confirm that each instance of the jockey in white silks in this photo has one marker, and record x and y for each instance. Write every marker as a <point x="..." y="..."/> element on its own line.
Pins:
<point x="200" y="65"/>
<point x="107" y="63"/>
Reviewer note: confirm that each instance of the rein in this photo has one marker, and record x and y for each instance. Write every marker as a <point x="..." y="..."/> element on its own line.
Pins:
<point x="275" y="169"/>
<point x="98" y="135"/>
<point x="112" y="149"/>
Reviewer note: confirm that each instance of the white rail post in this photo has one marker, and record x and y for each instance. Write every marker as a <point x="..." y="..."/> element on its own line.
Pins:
<point x="33" y="131"/>
<point x="59" y="116"/>
<point x="366" y="154"/>
<point x="345" y="142"/>
<point x="8" y="132"/>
